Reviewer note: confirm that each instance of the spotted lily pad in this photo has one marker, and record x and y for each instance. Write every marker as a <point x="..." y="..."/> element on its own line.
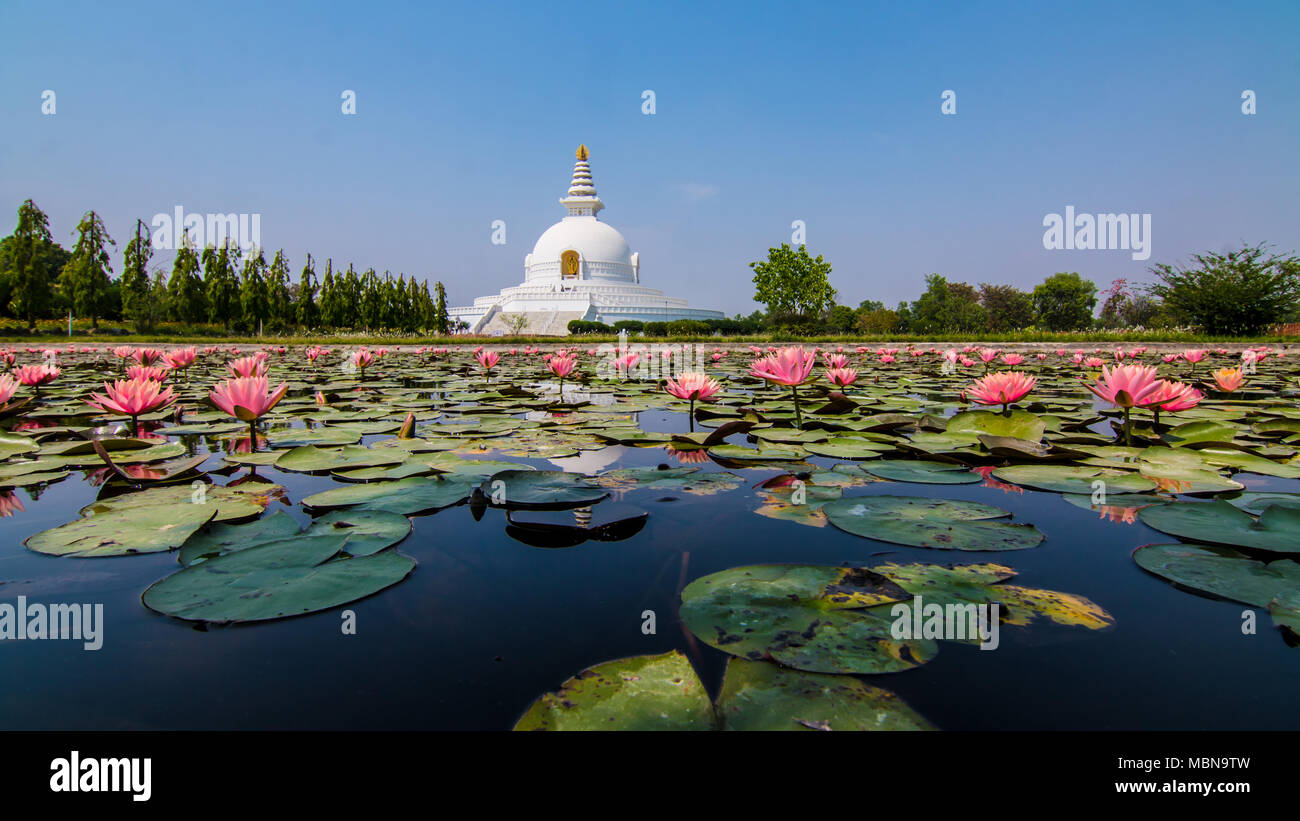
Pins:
<point x="758" y="695"/>
<point x="920" y="521"/>
<point x="640" y="693"/>
<point x="806" y="617"/>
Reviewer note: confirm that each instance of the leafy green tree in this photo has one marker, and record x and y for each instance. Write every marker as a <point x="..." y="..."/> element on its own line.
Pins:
<point x="1240" y="293"/>
<point x="254" y="296"/>
<point x="877" y="321"/>
<point x="793" y="284"/>
<point x="221" y="283"/>
<point x="280" y="307"/>
<point x="947" y="307"/>
<point x="137" y="302"/>
<point x="1006" y="307"/>
<point x="186" y="301"/>
<point x="330" y="300"/>
<point x="307" y="313"/>
<point x="371" y="300"/>
<point x="32" y="276"/>
<point x="351" y="294"/>
<point x="441" y="319"/>
<point x="841" y="319"/>
<point x="1064" y="302"/>
<point x="86" y="276"/>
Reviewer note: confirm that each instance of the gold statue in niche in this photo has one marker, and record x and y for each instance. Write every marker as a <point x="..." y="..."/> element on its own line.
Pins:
<point x="569" y="265"/>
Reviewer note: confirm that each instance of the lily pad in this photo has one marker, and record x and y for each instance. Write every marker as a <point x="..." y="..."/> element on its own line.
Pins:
<point x="758" y="695"/>
<point x="640" y="693"/>
<point x="923" y="472"/>
<point x="919" y="521"/>
<point x="404" y="496"/>
<point x="1073" y="479"/>
<point x="274" y="580"/>
<point x="540" y="489"/>
<point x="124" y="531"/>
<point x="806" y="617"/>
<point x="1277" y="529"/>
<point x="1220" y="571"/>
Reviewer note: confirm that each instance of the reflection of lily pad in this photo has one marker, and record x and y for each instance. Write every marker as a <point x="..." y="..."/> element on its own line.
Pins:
<point x="924" y="522"/>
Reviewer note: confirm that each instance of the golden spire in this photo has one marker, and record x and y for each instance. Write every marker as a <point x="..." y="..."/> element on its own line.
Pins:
<point x="582" y="152"/>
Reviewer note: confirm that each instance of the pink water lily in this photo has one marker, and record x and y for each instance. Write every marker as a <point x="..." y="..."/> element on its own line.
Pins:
<point x="1127" y="387"/>
<point x="150" y="372"/>
<point x="788" y="366"/>
<point x="842" y="377"/>
<point x="487" y="360"/>
<point x="8" y="387"/>
<point x="132" y="397"/>
<point x="33" y="376"/>
<point x="181" y="358"/>
<point x="146" y="356"/>
<point x="248" y="366"/>
<point x="247" y="398"/>
<point x="692" y="386"/>
<point x="1001" y="388"/>
<point x="561" y="364"/>
<point x="1173" y="397"/>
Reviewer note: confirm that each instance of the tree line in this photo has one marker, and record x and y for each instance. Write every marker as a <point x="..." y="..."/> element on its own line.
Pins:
<point x="242" y="292"/>
<point x="1239" y="293"/>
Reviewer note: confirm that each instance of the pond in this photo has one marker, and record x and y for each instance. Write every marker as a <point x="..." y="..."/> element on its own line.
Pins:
<point x="515" y="577"/>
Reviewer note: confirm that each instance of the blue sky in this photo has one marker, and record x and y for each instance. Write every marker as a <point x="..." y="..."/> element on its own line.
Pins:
<point x="765" y="113"/>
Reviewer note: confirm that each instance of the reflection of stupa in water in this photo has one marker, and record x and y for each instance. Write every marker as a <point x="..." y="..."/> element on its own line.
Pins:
<point x="580" y="268"/>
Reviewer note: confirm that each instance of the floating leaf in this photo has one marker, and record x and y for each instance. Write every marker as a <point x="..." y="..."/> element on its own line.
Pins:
<point x="924" y="522"/>
<point x="640" y="693"/>
<point x="758" y="695"/>
<point x="540" y="489"/>
<point x="1073" y="479"/>
<point x="404" y="496"/>
<point x="124" y="531"/>
<point x="1277" y="529"/>
<point x="1220" y="571"/>
<point x="1018" y="424"/>
<point x="301" y="574"/>
<point x="921" y="471"/>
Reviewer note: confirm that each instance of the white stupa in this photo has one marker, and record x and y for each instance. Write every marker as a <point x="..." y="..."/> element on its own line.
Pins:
<point x="580" y="268"/>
